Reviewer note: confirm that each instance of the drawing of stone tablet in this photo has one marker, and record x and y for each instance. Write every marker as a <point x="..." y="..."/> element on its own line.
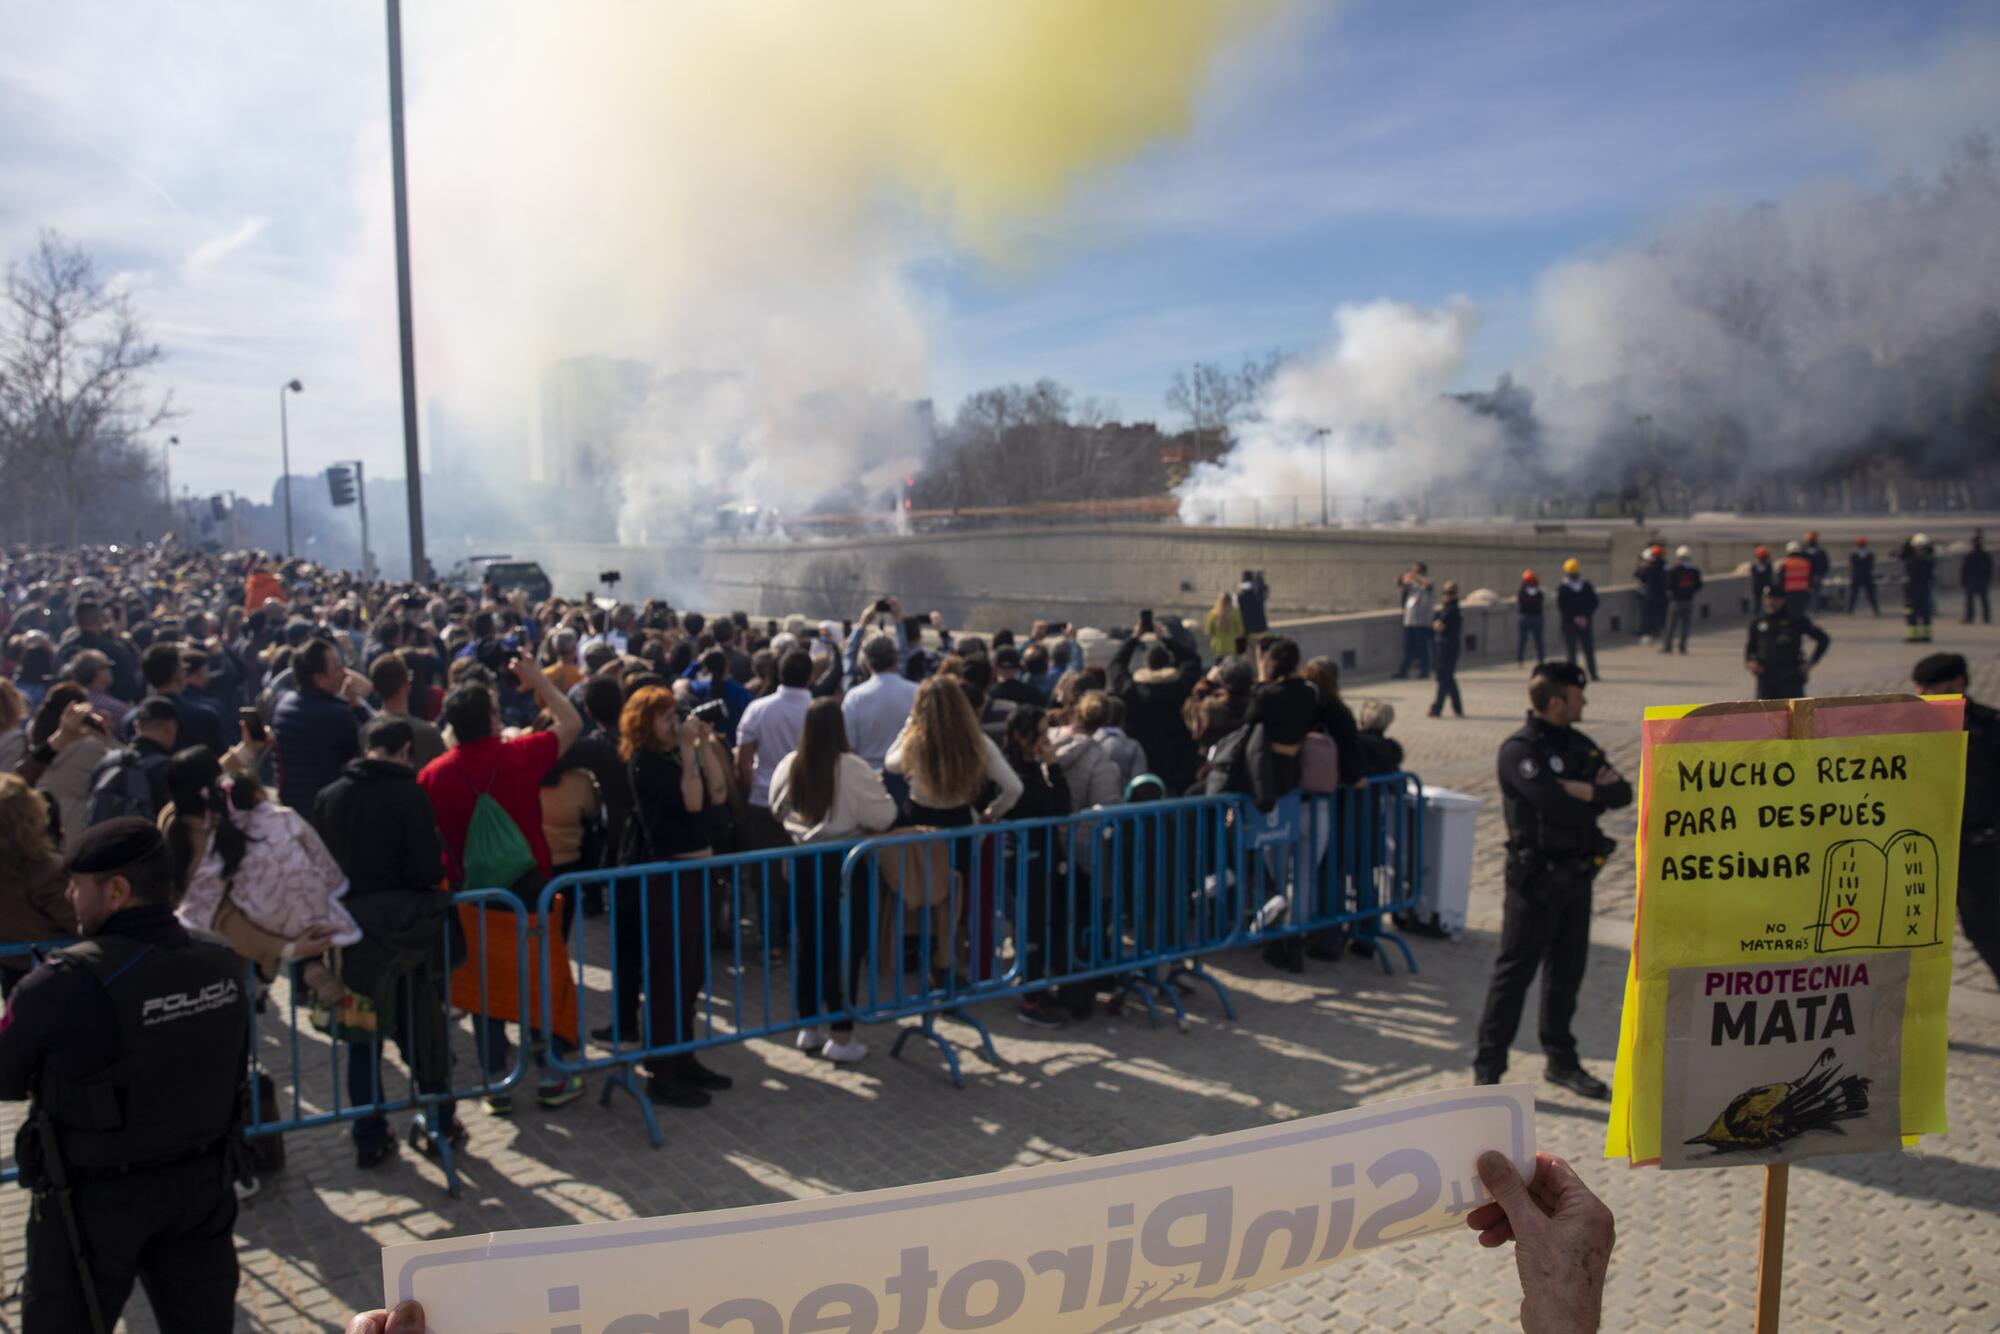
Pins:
<point x="1874" y="898"/>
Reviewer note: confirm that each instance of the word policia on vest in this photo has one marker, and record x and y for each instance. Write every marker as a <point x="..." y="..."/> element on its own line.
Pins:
<point x="1094" y="1245"/>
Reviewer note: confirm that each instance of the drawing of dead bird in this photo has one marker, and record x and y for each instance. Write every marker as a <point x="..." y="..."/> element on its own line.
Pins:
<point x="1765" y="1117"/>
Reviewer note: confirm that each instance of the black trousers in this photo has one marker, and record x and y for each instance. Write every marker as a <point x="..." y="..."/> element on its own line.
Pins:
<point x="169" y="1229"/>
<point x="1780" y="687"/>
<point x="1541" y="931"/>
<point x="1979" y="900"/>
<point x="1855" y="593"/>
<point x="1985" y="601"/>
<point x="1447" y="691"/>
<point x="1580" y="639"/>
<point x="822" y="990"/>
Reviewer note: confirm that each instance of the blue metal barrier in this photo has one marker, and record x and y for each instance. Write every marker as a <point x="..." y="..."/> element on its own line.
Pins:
<point x="308" y="1068"/>
<point x="914" y="924"/>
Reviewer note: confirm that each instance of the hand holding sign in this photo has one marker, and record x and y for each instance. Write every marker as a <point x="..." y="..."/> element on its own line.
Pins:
<point x="1562" y="1237"/>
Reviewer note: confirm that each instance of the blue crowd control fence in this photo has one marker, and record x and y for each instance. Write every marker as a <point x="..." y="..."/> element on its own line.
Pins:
<point x="313" y="1077"/>
<point x="915" y="924"/>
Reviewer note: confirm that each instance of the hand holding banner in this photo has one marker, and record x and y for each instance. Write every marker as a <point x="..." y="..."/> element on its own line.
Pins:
<point x="1087" y="1247"/>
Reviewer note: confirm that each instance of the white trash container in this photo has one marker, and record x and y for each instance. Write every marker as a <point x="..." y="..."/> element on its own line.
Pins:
<point x="1449" y="821"/>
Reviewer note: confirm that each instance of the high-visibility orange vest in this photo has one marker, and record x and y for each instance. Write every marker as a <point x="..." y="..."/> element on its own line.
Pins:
<point x="1797" y="574"/>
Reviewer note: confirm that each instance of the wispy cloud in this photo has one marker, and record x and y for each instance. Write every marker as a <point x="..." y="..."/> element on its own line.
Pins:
<point x="213" y="251"/>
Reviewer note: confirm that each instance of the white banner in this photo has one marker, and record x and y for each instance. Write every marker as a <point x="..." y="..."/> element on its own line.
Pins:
<point x="1088" y="1246"/>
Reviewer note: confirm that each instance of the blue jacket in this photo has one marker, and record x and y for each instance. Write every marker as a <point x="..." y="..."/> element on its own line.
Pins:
<point x="316" y="734"/>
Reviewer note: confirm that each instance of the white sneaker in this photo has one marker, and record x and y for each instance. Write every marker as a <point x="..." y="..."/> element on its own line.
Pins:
<point x="814" y="1038"/>
<point x="1273" y="912"/>
<point x="244" y="1192"/>
<point x="844" y="1053"/>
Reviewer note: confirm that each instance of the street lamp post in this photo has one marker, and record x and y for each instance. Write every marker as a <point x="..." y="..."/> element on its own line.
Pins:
<point x="167" y="467"/>
<point x="1320" y="433"/>
<point x="285" y="443"/>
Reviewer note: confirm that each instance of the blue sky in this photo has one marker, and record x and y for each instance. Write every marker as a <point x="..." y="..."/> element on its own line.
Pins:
<point x="218" y="158"/>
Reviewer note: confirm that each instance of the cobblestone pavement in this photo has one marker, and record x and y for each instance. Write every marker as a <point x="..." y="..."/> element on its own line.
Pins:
<point x="1887" y="1242"/>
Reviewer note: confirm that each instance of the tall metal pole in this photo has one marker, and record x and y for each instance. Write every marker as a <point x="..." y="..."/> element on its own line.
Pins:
<point x="285" y="443"/>
<point x="1324" y="517"/>
<point x="361" y="497"/>
<point x="419" y="566"/>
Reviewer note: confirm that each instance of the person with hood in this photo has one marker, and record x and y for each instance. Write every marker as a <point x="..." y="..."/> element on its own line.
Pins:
<point x="1576" y="603"/>
<point x="1448" y="630"/>
<point x="1129" y="754"/>
<point x="1683" y="586"/>
<point x="1975" y="576"/>
<point x="1762" y="576"/>
<point x="1651" y="576"/>
<point x="1919" y="588"/>
<point x="1153" y="698"/>
<point x="1861" y="577"/>
<point x="1532" y="605"/>
<point x="378" y="826"/>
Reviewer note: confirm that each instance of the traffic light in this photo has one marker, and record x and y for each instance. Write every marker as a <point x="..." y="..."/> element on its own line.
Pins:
<point x="340" y="484"/>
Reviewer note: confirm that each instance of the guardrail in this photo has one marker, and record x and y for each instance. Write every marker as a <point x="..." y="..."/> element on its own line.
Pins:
<point x="915" y="924"/>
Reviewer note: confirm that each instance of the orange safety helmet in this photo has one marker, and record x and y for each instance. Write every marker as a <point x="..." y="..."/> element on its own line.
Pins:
<point x="1528" y="577"/>
<point x="1763" y="553"/>
<point x="1860" y="541"/>
<point x="1812" y="536"/>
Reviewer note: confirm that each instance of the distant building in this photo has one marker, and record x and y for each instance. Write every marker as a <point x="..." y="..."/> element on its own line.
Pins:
<point x="588" y="407"/>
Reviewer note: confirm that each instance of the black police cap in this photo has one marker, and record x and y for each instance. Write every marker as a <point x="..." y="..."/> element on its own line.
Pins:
<point x="1937" y="669"/>
<point x="113" y="845"/>
<point x="1562" y="673"/>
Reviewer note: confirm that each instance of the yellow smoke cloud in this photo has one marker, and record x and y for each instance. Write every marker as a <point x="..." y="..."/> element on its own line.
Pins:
<point x="737" y="189"/>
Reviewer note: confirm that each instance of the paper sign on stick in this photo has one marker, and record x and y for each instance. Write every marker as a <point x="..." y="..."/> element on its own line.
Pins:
<point x="1791" y="958"/>
<point x="1095" y="1245"/>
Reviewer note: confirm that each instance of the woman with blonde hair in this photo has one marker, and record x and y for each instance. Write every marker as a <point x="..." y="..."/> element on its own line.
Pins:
<point x="950" y="760"/>
<point x="674" y="779"/>
<point x="1224" y="626"/>
<point x="33" y="902"/>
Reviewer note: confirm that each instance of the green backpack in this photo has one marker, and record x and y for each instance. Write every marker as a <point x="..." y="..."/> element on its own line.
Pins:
<point x="497" y="855"/>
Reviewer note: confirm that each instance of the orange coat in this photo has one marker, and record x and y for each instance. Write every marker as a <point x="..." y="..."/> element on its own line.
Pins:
<point x="261" y="588"/>
<point x="502" y="998"/>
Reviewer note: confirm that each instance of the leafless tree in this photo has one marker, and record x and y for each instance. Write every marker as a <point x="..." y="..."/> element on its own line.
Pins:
<point x="73" y="355"/>
<point x="1214" y="398"/>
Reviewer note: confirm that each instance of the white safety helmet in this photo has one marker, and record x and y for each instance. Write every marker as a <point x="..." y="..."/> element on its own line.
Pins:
<point x="1920" y="540"/>
<point x="1682" y="553"/>
<point x="1793" y="548"/>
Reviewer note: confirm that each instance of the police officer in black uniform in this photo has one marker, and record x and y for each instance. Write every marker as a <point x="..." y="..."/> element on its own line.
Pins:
<point x="132" y="1045"/>
<point x="1979" y="835"/>
<point x="1554" y="783"/>
<point x="1775" y="654"/>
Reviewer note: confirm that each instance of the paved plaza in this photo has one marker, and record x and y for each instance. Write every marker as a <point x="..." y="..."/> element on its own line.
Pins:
<point x="1888" y="1242"/>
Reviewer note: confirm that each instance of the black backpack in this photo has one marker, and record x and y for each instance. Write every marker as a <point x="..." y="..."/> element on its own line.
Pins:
<point x="121" y="785"/>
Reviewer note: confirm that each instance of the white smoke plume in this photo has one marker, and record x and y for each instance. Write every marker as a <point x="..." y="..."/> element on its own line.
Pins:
<point x="732" y="196"/>
<point x="1778" y="340"/>
<point x="1377" y="389"/>
<point x="1787" y="335"/>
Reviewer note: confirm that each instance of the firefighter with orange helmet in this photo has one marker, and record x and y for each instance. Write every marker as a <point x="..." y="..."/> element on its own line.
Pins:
<point x="1533" y="606"/>
<point x="1795" y="580"/>
<point x="1762" y="576"/>
<point x="1861" y="577"/>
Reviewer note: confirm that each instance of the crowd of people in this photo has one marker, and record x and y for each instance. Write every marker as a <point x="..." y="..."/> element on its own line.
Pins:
<point x="321" y="755"/>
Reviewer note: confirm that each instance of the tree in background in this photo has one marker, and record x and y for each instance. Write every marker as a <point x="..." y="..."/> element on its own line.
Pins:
<point x="73" y="405"/>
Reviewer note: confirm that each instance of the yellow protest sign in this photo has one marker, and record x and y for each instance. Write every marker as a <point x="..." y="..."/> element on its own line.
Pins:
<point x="1791" y="959"/>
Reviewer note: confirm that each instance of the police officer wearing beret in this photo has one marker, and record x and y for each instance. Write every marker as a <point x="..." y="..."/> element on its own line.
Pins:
<point x="132" y="1045"/>
<point x="1979" y="835"/>
<point x="1554" y="783"/>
